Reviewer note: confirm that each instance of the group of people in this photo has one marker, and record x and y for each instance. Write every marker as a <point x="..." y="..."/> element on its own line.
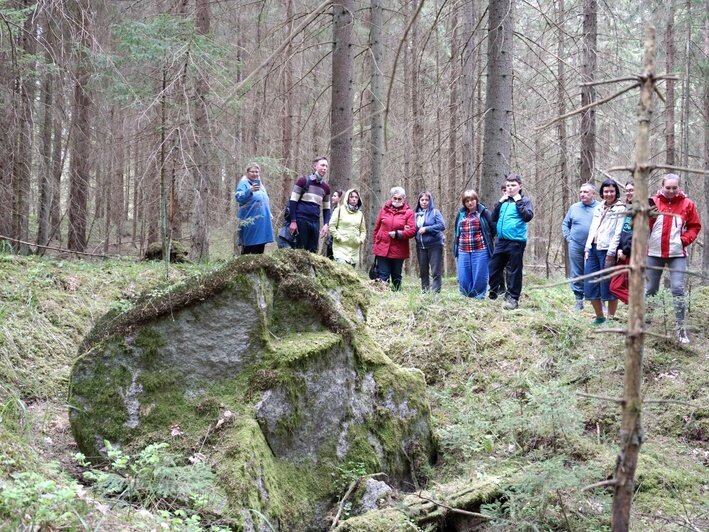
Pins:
<point x="599" y="235"/>
<point x="488" y="245"/>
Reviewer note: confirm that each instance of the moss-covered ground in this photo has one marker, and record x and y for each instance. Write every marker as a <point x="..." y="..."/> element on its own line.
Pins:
<point x="510" y="394"/>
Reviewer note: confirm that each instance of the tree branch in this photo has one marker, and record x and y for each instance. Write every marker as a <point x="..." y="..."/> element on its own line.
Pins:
<point x="586" y="107"/>
<point x="601" y="398"/>
<point x="454" y="510"/>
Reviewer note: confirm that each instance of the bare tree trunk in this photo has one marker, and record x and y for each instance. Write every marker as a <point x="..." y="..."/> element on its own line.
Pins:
<point x="705" y="230"/>
<point x="497" y="149"/>
<point x="200" y="172"/>
<point x="631" y="431"/>
<point x="45" y="148"/>
<point x="377" y="96"/>
<point x="341" y="118"/>
<point x="417" y="132"/>
<point x="80" y="139"/>
<point x="686" y="100"/>
<point x="56" y="177"/>
<point x="467" y="91"/>
<point x="561" y="128"/>
<point x="454" y="184"/>
<point x="588" y="92"/>
<point x="25" y="87"/>
<point x="670" y="94"/>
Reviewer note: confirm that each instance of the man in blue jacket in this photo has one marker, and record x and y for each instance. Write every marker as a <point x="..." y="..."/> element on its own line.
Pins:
<point x="575" y="228"/>
<point x="511" y="215"/>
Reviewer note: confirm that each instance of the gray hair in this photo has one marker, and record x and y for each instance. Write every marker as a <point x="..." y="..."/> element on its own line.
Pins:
<point x="589" y="186"/>
<point x="397" y="190"/>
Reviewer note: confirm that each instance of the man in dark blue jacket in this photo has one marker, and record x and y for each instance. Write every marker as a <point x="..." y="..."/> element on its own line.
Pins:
<point x="310" y="197"/>
<point x="511" y="215"/>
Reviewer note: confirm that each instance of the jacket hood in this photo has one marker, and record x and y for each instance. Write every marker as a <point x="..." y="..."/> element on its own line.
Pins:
<point x="431" y="203"/>
<point x="345" y="199"/>
<point x="664" y="199"/>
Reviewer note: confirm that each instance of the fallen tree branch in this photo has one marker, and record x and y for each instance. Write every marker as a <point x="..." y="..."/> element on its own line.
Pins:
<point x="454" y="510"/>
<point x="61" y="250"/>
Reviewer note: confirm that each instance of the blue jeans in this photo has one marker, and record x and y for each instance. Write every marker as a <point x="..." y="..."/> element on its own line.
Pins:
<point x="653" y="274"/>
<point x="430" y="258"/>
<point x="308" y="236"/>
<point x="576" y="267"/>
<point x="592" y="288"/>
<point x="508" y="254"/>
<point x="473" y="273"/>
<point x="391" y="268"/>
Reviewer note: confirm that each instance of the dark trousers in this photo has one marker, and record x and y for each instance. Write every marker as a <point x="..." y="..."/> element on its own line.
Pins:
<point x="253" y="250"/>
<point x="508" y="254"/>
<point x="391" y="268"/>
<point x="308" y="236"/>
<point x="431" y="258"/>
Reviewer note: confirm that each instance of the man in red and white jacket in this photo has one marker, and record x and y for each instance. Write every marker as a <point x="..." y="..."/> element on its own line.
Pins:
<point x="671" y="232"/>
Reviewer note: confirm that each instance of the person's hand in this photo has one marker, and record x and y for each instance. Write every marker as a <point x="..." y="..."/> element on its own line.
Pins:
<point x="585" y="255"/>
<point x="323" y="231"/>
<point x="504" y="198"/>
<point x="517" y="197"/>
<point x="621" y="255"/>
<point x="422" y="230"/>
<point x="392" y="234"/>
<point x="255" y="187"/>
<point x="293" y="227"/>
<point x="610" y="260"/>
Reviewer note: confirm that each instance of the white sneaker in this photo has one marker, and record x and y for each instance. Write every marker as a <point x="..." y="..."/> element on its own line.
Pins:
<point x="682" y="337"/>
<point x="579" y="305"/>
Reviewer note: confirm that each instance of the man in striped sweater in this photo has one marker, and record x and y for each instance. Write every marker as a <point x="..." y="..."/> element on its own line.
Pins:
<point x="310" y="195"/>
<point x="676" y="227"/>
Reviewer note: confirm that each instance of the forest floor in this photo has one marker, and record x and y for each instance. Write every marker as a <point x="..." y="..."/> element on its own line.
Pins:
<point x="509" y="391"/>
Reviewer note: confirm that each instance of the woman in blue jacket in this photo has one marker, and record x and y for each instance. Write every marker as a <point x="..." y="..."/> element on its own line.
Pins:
<point x="254" y="215"/>
<point x="473" y="245"/>
<point x="429" y="241"/>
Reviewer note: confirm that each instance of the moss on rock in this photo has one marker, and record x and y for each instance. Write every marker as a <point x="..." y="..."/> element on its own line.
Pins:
<point x="266" y="367"/>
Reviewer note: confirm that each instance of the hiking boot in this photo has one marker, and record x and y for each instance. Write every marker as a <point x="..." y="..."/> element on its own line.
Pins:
<point x="578" y="307"/>
<point x="682" y="337"/>
<point x="598" y="321"/>
<point x="511" y="304"/>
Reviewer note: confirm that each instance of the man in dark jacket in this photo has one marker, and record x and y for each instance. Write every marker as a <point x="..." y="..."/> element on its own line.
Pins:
<point x="511" y="215"/>
<point x="310" y="196"/>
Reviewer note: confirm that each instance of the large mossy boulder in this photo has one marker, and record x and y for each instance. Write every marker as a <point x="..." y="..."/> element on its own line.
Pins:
<point x="265" y="370"/>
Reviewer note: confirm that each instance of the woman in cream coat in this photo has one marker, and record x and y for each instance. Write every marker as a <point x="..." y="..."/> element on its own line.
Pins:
<point x="348" y="228"/>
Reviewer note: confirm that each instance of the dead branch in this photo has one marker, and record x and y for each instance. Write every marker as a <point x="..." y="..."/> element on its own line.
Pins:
<point x="601" y="398"/>
<point x="306" y="21"/>
<point x="586" y="107"/>
<point x="454" y="510"/>
<point x="600" y="484"/>
<point x="610" y="272"/>
<point x="624" y="331"/>
<point x="341" y="506"/>
<point x="61" y="250"/>
<point x="658" y="167"/>
<point x="668" y="401"/>
<point x="659" y="94"/>
<point x="680" y="169"/>
<point x="607" y="81"/>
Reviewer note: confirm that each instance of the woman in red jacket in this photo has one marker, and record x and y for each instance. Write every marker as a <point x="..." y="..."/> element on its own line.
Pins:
<point x="676" y="227"/>
<point x="394" y="227"/>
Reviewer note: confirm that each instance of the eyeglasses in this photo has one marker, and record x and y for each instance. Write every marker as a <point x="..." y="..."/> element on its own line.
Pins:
<point x="397" y="198"/>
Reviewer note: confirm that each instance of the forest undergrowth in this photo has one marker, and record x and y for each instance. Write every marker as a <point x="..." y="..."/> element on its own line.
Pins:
<point x="511" y="395"/>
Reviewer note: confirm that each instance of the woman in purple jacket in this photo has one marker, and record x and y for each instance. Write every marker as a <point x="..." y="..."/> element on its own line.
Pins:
<point x="429" y="241"/>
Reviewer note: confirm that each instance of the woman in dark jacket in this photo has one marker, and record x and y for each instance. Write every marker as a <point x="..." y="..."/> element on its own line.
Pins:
<point x="473" y="245"/>
<point x="394" y="227"/>
<point x="429" y="241"/>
